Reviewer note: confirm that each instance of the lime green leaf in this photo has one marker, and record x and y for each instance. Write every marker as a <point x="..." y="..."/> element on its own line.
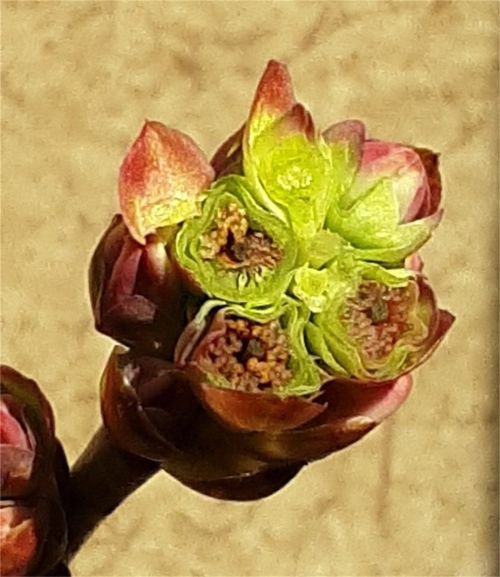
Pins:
<point x="312" y="287"/>
<point x="371" y="223"/>
<point x="346" y="141"/>
<point x="324" y="246"/>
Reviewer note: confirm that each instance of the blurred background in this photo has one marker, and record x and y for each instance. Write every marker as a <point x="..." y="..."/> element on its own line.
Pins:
<point x="418" y="496"/>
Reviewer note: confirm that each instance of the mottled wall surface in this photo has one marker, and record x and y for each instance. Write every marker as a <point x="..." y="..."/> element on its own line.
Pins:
<point x="416" y="497"/>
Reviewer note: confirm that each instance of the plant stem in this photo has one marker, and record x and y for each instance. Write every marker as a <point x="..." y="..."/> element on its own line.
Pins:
<point x="102" y="478"/>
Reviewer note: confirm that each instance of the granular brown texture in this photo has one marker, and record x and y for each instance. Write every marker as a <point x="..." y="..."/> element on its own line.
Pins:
<point x="252" y="357"/>
<point x="236" y="246"/>
<point x="378" y="316"/>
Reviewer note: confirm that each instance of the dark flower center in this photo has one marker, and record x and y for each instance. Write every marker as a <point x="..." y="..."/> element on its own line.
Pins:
<point x="251" y="357"/>
<point x="377" y="317"/>
<point x="236" y="246"/>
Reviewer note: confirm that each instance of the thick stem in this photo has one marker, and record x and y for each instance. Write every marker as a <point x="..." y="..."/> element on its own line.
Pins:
<point x="102" y="477"/>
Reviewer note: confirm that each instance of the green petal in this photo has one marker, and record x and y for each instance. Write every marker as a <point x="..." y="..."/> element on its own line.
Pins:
<point x="306" y="377"/>
<point x="256" y="288"/>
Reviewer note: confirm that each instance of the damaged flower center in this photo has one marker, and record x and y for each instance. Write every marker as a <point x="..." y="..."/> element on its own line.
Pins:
<point x="252" y="357"/>
<point x="377" y="317"/>
<point x="236" y="246"/>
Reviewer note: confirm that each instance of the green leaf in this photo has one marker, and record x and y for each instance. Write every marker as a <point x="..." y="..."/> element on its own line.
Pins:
<point x="371" y="222"/>
<point x="323" y="247"/>
<point x="312" y="287"/>
<point x="291" y="172"/>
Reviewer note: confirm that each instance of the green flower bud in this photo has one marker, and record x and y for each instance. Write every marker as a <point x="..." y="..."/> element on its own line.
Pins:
<point x="372" y="324"/>
<point x="259" y="350"/>
<point x="236" y="250"/>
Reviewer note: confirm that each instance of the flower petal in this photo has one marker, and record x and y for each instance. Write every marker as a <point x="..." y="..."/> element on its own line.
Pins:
<point x="414" y="263"/>
<point x="351" y="132"/>
<point x="309" y="444"/>
<point x="11" y="431"/>
<point x="16" y="471"/>
<point x="26" y="393"/>
<point x="402" y="166"/>
<point x="439" y="322"/>
<point x="376" y="403"/>
<point x="297" y="120"/>
<point x="346" y="141"/>
<point x="120" y="299"/>
<point x="135" y="290"/>
<point x="161" y="180"/>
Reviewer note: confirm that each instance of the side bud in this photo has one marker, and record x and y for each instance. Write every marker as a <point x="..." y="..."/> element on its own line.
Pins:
<point x="33" y="480"/>
<point x="135" y="291"/>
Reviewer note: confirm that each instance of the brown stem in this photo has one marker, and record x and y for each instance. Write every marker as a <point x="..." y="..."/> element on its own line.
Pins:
<point x="60" y="570"/>
<point x="102" y="477"/>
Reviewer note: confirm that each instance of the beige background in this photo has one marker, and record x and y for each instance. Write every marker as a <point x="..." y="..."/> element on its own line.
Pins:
<point x="419" y="495"/>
